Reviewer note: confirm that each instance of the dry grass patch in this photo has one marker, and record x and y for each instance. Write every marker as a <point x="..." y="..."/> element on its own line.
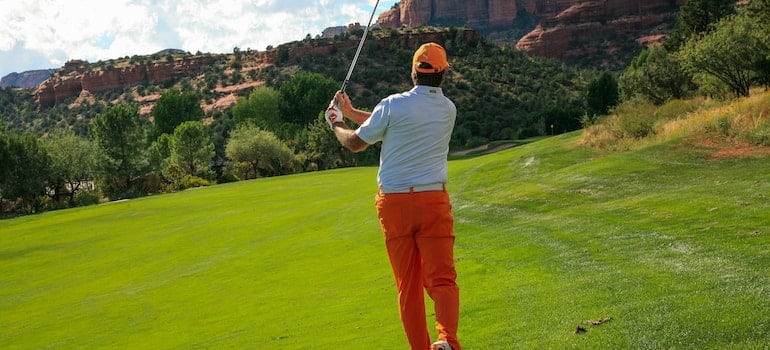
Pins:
<point x="741" y="128"/>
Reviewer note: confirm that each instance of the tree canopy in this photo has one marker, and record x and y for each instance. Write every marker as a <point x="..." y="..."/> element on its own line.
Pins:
<point x="73" y="161"/>
<point x="656" y="74"/>
<point x="260" y="151"/>
<point x="120" y="136"/>
<point x="697" y="17"/>
<point x="191" y="148"/>
<point x="174" y="108"/>
<point x="261" y="108"/>
<point x="602" y="94"/>
<point x="26" y="165"/>
<point x="304" y="95"/>
<point x="735" y="53"/>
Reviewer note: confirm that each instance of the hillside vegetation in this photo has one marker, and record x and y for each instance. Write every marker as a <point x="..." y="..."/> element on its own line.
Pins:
<point x="743" y="124"/>
<point x="560" y="245"/>
<point x="522" y="95"/>
<point x="162" y="136"/>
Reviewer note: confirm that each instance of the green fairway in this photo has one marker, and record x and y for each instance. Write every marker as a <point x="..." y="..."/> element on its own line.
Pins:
<point x="671" y="245"/>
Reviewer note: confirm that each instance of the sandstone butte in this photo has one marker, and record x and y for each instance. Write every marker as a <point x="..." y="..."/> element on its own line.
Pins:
<point x="567" y="28"/>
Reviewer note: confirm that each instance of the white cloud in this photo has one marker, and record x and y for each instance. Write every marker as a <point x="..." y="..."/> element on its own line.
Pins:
<point x="38" y="34"/>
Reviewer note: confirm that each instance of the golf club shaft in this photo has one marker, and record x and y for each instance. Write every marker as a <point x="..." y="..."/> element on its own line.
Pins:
<point x="358" y="51"/>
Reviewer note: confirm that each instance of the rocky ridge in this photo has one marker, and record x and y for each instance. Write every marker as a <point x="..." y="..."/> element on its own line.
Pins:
<point x="81" y="79"/>
<point x="598" y="33"/>
<point x="77" y="76"/>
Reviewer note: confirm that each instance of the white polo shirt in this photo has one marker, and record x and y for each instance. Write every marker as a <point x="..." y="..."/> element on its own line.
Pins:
<point x="415" y="128"/>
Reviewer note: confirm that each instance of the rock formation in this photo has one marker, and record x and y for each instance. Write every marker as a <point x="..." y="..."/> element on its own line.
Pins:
<point x="76" y="76"/>
<point x="599" y="30"/>
<point x="80" y="79"/>
<point x="479" y="14"/>
<point x="573" y="30"/>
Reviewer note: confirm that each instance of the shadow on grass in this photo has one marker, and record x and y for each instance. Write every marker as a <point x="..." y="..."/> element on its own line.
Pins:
<point x="492" y="147"/>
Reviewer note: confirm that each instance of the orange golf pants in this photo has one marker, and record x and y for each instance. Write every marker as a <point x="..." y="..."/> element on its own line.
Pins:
<point x="419" y="237"/>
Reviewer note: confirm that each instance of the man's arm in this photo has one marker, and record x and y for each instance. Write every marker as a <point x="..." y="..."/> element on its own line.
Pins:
<point x="348" y="138"/>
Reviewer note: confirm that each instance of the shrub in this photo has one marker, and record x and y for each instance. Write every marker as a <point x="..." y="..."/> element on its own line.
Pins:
<point x="636" y="119"/>
<point x="675" y="109"/>
<point x="760" y="136"/>
<point x="228" y="177"/>
<point x="84" y="198"/>
<point x="720" y="124"/>
<point x="194" y="181"/>
<point x="151" y="183"/>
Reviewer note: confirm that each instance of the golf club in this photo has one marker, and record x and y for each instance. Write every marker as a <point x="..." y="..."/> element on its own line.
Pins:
<point x="358" y="51"/>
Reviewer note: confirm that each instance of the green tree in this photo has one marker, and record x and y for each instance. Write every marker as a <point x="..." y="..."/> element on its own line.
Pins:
<point x="27" y="165"/>
<point x="304" y="95"/>
<point x="602" y="94"/>
<point x="120" y="136"/>
<point x="731" y="53"/>
<point x="262" y="108"/>
<point x="174" y="108"/>
<point x="321" y="149"/>
<point x="192" y="149"/>
<point x="759" y="11"/>
<point x="260" y="151"/>
<point x="656" y="75"/>
<point x="5" y="165"/>
<point x="73" y="162"/>
<point x="159" y="153"/>
<point x="696" y="17"/>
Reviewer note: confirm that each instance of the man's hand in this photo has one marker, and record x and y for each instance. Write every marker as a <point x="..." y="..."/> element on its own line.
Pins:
<point x="333" y="114"/>
<point x="343" y="102"/>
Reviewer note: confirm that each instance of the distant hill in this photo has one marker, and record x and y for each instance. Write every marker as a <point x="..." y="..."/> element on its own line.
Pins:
<point x="27" y="80"/>
<point x="171" y="52"/>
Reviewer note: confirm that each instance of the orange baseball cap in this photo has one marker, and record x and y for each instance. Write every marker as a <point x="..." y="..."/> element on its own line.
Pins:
<point x="432" y="54"/>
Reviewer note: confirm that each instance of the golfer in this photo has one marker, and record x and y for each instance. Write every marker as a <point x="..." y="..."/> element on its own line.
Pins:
<point x="412" y="202"/>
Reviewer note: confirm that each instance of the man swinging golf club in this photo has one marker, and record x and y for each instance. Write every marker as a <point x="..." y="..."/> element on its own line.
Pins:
<point x="412" y="203"/>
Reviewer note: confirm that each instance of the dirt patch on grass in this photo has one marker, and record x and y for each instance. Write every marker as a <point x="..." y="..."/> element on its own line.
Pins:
<point x="727" y="149"/>
<point x="742" y="151"/>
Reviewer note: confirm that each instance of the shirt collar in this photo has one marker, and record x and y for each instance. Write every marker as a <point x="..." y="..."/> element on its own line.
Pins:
<point x="428" y="90"/>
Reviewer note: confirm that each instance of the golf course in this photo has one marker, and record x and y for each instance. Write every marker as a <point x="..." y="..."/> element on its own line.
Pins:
<point x="664" y="244"/>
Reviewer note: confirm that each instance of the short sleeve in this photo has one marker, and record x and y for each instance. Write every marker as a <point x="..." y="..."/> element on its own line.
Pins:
<point x="373" y="129"/>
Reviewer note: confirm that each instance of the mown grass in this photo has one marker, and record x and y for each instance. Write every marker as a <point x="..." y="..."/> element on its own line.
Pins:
<point x="668" y="241"/>
<point x="669" y="244"/>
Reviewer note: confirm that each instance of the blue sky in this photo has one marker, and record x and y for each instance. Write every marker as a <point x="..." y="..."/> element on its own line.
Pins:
<point x="39" y="34"/>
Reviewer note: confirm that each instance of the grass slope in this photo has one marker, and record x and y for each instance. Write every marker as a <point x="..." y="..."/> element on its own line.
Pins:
<point x="672" y="246"/>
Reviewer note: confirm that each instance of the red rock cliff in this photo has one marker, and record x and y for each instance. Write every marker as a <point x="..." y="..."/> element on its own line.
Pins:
<point x="480" y="13"/>
<point x="594" y="31"/>
<point x="75" y="77"/>
<point x="599" y="30"/>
